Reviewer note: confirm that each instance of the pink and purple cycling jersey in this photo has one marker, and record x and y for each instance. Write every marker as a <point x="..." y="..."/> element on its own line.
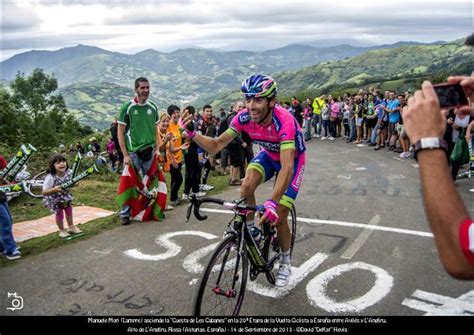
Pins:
<point x="283" y="133"/>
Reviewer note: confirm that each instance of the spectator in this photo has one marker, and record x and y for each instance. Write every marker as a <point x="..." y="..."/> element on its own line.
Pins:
<point x="461" y="122"/>
<point x="137" y="120"/>
<point x="8" y="245"/>
<point x="325" y="112"/>
<point x="191" y="163"/>
<point x="297" y="111"/>
<point x="333" y="118"/>
<point x="235" y="150"/>
<point x="452" y="227"/>
<point x="62" y="149"/>
<point x="308" y="116"/>
<point x="224" y="154"/>
<point x="114" y="134"/>
<point x="205" y="127"/>
<point x="318" y="105"/>
<point x="177" y="151"/>
<point x="110" y="146"/>
<point x="57" y="199"/>
<point x="80" y="148"/>
<point x="71" y="148"/>
<point x="393" y="110"/>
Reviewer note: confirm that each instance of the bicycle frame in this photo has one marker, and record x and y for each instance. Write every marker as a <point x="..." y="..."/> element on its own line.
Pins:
<point x="221" y="289"/>
<point x="239" y="227"/>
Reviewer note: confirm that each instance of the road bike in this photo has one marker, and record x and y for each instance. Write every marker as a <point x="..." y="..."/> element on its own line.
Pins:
<point x="221" y="289"/>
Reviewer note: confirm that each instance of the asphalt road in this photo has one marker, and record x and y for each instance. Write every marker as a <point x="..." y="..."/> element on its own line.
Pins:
<point x="363" y="248"/>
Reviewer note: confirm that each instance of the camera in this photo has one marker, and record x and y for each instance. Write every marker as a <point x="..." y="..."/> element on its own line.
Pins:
<point x="450" y="95"/>
<point x="16" y="301"/>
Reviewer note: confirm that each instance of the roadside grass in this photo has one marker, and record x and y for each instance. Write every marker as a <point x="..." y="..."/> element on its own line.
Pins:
<point x="95" y="191"/>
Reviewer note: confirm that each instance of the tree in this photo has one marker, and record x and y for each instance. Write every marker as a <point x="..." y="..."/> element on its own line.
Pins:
<point x="13" y="126"/>
<point x="33" y="96"/>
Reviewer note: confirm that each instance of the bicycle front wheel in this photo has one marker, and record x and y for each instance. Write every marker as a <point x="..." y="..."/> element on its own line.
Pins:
<point x="222" y="287"/>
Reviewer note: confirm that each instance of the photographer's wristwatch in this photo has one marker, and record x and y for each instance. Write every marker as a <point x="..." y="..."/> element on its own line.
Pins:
<point x="430" y="143"/>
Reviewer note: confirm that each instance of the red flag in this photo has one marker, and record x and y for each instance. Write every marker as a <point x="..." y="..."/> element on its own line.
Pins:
<point x="147" y="197"/>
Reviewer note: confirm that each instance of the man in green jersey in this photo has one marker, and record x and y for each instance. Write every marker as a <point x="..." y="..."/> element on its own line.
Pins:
<point x="136" y="133"/>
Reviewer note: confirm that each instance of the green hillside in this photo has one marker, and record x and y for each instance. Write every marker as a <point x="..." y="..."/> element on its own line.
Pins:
<point x="95" y="83"/>
<point x="96" y="104"/>
<point x="400" y="68"/>
<point x="378" y="66"/>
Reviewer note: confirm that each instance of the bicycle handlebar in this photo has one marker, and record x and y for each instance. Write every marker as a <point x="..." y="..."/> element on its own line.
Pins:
<point x="233" y="205"/>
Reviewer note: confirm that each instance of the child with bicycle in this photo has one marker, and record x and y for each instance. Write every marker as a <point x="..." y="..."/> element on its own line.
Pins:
<point x="57" y="199"/>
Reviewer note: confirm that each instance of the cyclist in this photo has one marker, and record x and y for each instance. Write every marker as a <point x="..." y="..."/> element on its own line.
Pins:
<point x="283" y="152"/>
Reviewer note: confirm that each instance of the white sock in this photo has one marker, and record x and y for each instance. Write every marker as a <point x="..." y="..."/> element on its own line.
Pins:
<point x="285" y="257"/>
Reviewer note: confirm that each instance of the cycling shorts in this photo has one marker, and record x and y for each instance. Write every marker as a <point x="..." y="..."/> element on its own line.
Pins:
<point x="269" y="167"/>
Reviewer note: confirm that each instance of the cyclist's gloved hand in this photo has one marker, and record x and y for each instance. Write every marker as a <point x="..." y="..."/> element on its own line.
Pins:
<point x="182" y="125"/>
<point x="270" y="210"/>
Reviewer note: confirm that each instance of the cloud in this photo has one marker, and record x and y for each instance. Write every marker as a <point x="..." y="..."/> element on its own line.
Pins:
<point x="250" y="14"/>
<point x="17" y="18"/>
<point x="135" y="25"/>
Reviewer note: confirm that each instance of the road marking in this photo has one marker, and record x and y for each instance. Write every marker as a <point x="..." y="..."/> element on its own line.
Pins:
<point x="344" y="177"/>
<point x="396" y="176"/>
<point x="173" y="249"/>
<point x="435" y="304"/>
<point x="317" y="287"/>
<point x="341" y="223"/>
<point x="298" y="274"/>
<point x="361" y="239"/>
<point x="191" y="262"/>
<point x="105" y="252"/>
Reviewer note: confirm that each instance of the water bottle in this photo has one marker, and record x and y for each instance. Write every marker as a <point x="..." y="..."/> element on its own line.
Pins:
<point x="255" y="232"/>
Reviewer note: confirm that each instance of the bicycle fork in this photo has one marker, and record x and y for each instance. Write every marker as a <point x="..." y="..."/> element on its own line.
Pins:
<point x="229" y="293"/>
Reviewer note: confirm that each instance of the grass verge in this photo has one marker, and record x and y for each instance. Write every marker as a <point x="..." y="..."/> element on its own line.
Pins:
<point x="96" y="191"/>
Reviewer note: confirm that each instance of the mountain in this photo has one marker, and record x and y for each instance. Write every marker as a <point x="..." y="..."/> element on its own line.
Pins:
<point x="402" y="62"/>
<point x="391" y="68"/>
<point x="95" y="81"/>
<point x="88" y="63"/>
<point x="26" y="62"/>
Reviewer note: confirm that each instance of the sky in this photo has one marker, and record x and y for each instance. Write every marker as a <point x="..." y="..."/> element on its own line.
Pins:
<point x="131" y="26"/>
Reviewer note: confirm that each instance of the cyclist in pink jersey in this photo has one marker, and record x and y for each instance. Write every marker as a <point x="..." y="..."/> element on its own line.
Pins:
<point x="283" y="152"/>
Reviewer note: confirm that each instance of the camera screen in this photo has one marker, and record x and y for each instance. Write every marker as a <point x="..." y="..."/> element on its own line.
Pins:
<point x="450" y="95"/>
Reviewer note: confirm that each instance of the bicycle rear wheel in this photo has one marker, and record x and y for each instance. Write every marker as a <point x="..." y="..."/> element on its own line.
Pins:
<point x="222" y="287"/>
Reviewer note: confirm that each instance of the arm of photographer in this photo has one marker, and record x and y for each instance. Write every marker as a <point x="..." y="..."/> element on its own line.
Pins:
<point x="444" y="207"/>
